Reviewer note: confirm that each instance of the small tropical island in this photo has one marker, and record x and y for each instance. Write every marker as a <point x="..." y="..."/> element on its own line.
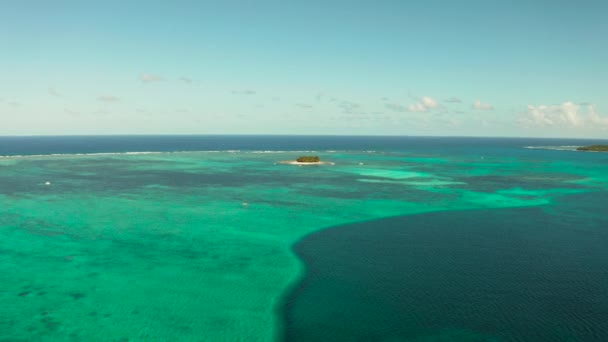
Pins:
<point x="593" y="148"/>
<point x="306" y="160"/>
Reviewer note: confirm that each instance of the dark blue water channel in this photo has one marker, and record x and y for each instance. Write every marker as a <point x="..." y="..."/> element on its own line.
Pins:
<point x="518" y="274"/>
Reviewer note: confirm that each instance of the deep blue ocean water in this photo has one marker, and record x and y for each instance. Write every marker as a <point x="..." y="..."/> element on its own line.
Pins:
<point x="40" y="145"/>
<point x="520" y="274"/>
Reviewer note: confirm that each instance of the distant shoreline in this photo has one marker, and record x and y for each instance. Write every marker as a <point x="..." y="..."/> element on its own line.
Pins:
<point x="593" y="148"/>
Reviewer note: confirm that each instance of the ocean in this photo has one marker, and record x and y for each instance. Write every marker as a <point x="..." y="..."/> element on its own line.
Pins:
<point x="211" y="238"/>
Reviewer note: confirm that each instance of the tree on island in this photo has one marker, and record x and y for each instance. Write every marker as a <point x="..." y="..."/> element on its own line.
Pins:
<point x="595" y="148"/>
<point x="308" y="159"/>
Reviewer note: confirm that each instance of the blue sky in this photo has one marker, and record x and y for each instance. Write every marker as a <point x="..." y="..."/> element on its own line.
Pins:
<point x="491" y="68"/>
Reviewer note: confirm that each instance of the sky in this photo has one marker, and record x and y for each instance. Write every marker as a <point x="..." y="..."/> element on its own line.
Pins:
<point x="534" y="68"/>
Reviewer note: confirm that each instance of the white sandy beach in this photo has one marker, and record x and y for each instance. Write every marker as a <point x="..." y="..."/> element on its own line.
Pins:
<point x="293" y="162"/>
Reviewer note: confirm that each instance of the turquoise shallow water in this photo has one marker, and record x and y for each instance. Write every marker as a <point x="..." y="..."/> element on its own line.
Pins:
<point x="197" y="245"/>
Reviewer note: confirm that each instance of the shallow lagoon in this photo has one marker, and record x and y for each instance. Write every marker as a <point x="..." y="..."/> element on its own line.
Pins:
<point x="160" y="246"/>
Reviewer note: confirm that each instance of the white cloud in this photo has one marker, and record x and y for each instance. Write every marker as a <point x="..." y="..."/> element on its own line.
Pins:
<point x="567" y="114"/>
<point x="482" y="106"/>
<point x="54" y="92"/>
<point x="429" y="102"/>
<point x="423" y="105"/>
<point x="187" y="80"/>
<point x="348" y="105"/>
<point x="395" y="107"/>
<point x="150" y="78"/>
<point x="417" y="107"/>
<point x="595" y="118"/>
<point x="244" y="92"/>
<point x="453" y="100"/>
<point x="108" y="98"/>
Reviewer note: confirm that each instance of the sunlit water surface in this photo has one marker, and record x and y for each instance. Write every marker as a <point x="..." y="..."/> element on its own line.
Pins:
<point x="492" y="240"/>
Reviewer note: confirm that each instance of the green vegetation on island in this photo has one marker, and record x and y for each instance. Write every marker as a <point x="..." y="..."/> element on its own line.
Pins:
<point x="308" y="159"/>
<point x="594" y="148"/>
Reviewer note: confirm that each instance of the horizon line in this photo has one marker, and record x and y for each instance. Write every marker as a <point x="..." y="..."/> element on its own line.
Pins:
<point x="289" y="135"/>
